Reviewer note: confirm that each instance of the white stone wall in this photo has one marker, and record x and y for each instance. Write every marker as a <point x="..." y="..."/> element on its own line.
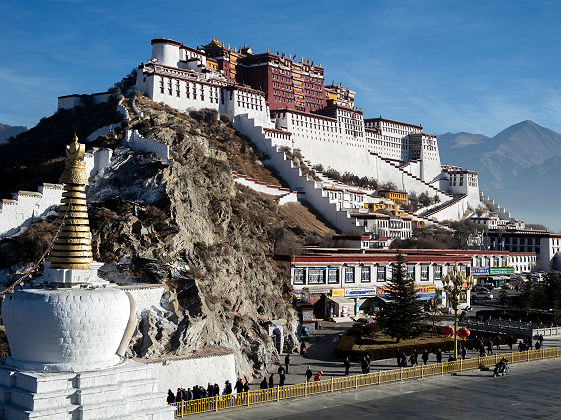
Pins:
<point x="173" y="373"/>
<point x="148" y="297"/>
<point x="137" y="142"/>
<point x="24" y="206"/>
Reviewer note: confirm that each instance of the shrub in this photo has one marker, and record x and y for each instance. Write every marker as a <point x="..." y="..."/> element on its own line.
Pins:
<point x="226" y="119"/>
<point x="34" y="241"/>
<point x="206" y="115"/>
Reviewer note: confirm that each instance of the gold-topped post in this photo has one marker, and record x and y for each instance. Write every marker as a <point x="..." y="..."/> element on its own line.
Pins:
<point x="72" y="248"/>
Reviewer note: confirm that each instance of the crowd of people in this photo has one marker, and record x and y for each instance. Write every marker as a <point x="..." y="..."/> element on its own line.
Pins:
<point x="211" y="390"/>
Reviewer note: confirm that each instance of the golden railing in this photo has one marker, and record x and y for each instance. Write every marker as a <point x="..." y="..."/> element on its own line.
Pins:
<point x="278" y="393"/>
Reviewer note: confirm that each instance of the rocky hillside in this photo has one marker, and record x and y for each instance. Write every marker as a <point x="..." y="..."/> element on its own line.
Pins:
<point x="190" y="226"/>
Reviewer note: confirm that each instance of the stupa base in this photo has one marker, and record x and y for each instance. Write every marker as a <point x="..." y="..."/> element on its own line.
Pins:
<point x="126" y="391"/>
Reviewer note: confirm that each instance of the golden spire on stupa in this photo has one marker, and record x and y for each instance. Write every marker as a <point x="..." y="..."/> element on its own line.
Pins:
<point x="72" y="248"/>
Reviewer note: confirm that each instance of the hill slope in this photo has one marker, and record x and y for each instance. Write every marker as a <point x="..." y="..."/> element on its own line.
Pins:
<point x="190" y="226"/>
<point x="7" y="131"/>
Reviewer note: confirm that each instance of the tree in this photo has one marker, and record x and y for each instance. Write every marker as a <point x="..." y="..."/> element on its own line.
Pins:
<point x="454" y="289"/>
<point x="402" y="315"/>
<point x="424" y="199"/>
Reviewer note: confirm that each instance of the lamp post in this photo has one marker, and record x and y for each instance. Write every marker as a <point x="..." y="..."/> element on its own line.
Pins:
<point x="453" y="285"/>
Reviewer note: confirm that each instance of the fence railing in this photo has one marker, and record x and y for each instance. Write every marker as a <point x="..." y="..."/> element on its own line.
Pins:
<point x="278" y="393"/>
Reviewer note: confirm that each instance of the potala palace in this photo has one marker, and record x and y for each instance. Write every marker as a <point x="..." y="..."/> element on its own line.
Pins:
<point x="288" y="103"/>
<point x="284" y="106"/>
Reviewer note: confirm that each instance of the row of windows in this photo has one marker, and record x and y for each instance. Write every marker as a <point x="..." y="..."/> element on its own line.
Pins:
<point x="330" y="275"/>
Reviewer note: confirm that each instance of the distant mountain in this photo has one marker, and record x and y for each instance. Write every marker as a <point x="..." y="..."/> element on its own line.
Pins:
<point x="520" y="162"/>
<point x="7" y="131"/>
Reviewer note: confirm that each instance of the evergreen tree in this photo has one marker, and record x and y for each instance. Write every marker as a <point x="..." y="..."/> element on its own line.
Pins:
<point x="402" y="316"/>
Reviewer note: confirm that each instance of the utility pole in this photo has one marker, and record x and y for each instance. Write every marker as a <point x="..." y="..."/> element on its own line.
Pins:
<point x="453" y="286"/>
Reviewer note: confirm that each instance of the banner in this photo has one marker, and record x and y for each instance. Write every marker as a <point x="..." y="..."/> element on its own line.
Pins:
<point x="501" y="270"/>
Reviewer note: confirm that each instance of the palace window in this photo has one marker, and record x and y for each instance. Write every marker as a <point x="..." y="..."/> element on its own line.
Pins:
<point x="365" y="274"/>
<point x="316" y="275"/>
<point x="437" y="272"/>
<point x="424" y="273"/>
<point x="381" y="273"/>
<point x="333" y="275"/>
<point x="411" y="271"/>
<point x="299" y="276"/>
<point x="349" y="274"/>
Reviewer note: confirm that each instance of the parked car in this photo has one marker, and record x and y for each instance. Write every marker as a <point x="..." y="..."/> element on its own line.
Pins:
<point x="484" y="295"/>
<point x="480" y="288"/>
<point x="363" y="322"/>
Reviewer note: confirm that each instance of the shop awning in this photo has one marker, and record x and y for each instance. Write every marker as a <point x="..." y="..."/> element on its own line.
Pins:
<point x="429" y="296"/>
<point x="340" y="300"/>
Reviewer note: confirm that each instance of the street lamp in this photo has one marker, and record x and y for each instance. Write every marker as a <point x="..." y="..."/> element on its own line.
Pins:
<point x="453" y="285"/>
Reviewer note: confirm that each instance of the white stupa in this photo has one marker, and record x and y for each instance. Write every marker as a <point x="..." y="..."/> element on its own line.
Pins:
<point x="69" y="334"/>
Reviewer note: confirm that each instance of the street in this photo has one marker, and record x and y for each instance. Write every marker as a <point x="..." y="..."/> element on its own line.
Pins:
<point x="530" y="390"/>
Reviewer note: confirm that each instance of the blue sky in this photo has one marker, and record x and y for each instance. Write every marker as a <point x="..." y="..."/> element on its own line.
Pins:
<point x="475" y="66"/>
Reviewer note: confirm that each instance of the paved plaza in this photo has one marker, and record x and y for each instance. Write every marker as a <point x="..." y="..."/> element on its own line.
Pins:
<point x="530" y="390"/>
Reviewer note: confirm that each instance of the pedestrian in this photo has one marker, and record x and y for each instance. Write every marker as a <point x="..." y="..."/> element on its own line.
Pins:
<point x="318" y="376"/>
<point x="286" y="362"/>
<point x="303" y="350"/>
<point x="216" y="390"/>
<point x="309" y="374"/>
<point x="204" y="393"/>
<point x="520" y="346"/>
<point x="414" y="357"/>
<point x="282" y="378"/>
<point x="363" y="364"/>
<point x="263" y="384"/>
<point x="464" y="352"/>
<point x="210" y="390"/>
<point x="246" y="386"/>
<point x="188" y="395"/>
<point x="272" y="380"/>
<point x="403" y="359"/>
<point x="179" y="395"/>
<point x="280" y="370"/>
<point x="398" y="357"/>
<point x="530" y="343"/>
<point x="347" y="364"/>
<point x="239" y="386"/>
<point x="538" y="345"/>
<point x="482" y="351"/>
<point x="540" y="339"/>
<point x="425" y="356"/>
<point x="171" y="397"/>
<point x="227" y="388"/>
<point x="196" y="394"/>
<point x="489" y="347"/>
<point x="439" y="356"/>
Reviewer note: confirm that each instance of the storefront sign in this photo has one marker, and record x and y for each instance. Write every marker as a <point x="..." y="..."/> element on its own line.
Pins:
<point x="431" y="288"/>
<point x="501" y="270"/>
<point x="360" y="292"/>
<point x="337" y="292"/>
<point x="479" y="271"/>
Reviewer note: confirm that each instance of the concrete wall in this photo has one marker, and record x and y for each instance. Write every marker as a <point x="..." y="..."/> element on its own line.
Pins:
<point x="137" y="142"/>
<point x="25" y="205"/>
<point x="292" y="175"/>
<point x="173" y="373"/>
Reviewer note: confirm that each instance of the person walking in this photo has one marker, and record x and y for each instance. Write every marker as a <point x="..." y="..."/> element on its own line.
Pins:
<point x="317" y="378"/>
<point x="179" y="395"/>
<point x="246" y="386"/>
<point x="227" y="388"/>
<point x="540" y="339"/>
<point x="439" y="356"/>
<point x="403" y="359"/>
<point x="210" y="390"/>
<point x="489" y="347"/>
<point x="263" y="384"/>
<point x="464" y="352"/>
<point x="282" y="378"/>
<point x="398" y="357"/>
<point x="347" y="364"/>
<point x="216" y="390"/>
<point x="414" y="357"/>
<point x="187" y="395"/>
<point x="286" y="362"/>
<point x="239" y="386"/>
<point x="272" y="380"/>
<point x="171" y="397"/>
<point x="367" y="363"/>
<point x="303" y="350"/>
<point x="363" y="365"/>
<point x="309" y="374"/>
<point x="425" y="356"/>
<point x="537" y="345"/>
<point x="280" y="370"/>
